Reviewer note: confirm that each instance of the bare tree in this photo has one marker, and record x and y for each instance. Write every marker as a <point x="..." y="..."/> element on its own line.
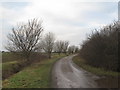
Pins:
<point x="76" y="49"/>
<point x="65" y="46"/>
<point x="48" y="43"/>
<point x="58" y="47"/>
<point x="71" y="49"/>
<point x="24" y="38"/>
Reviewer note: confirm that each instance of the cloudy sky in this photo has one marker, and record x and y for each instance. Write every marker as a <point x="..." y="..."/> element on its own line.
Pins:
<point x="69" y="19"/>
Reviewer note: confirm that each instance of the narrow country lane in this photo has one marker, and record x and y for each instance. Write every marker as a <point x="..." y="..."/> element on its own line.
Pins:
<point x="66" y="74"/>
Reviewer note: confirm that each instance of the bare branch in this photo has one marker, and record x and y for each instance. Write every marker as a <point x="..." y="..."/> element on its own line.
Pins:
<point x="48" y="43"/>
<point x="25" y="37"/>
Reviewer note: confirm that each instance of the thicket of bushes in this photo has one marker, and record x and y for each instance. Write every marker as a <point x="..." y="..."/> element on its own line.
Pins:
<point x="101" y="47"/>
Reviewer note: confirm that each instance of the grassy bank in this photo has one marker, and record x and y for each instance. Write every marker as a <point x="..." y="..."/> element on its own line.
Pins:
<point x="10" y="64"/>
<point x="109" y="79"/>
<point x="98" y="71"/>
<point x="13" y="63"/>
<point x="37" y="75"/>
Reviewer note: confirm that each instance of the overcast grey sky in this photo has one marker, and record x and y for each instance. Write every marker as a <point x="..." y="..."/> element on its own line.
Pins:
<point x="69" y="19"/>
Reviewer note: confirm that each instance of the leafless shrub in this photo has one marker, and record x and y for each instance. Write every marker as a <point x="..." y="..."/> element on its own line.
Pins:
<point x="101" y="48"/>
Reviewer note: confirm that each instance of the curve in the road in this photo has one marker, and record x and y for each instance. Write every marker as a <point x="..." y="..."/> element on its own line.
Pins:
<point x="66" y="74"/>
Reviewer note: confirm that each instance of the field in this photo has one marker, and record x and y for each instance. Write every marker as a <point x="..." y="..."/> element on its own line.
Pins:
<point x="37" y="75"/>
<point x="9" y="57"/>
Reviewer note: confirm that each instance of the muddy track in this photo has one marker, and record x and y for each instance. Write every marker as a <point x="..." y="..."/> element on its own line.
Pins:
<point x="66" y="74"/>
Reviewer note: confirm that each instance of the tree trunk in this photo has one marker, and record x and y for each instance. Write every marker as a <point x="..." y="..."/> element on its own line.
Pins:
<point x="49" y="55"/>
<point x="59" y="53"/>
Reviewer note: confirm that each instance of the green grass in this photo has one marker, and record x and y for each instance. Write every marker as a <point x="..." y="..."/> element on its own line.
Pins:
<point x="8" y="65"/>
<point x="9" y="62"/>
<point x="35" y="76"/>
<point x="98" y="71"/>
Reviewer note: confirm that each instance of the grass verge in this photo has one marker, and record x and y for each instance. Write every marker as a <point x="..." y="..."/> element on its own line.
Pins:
<point x="37" y="75"/>
<point x="108" y="79"/>
<point x="98" y="71"/>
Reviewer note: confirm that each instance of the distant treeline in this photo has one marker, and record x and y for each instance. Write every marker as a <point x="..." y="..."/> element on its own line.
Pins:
<point x="101" y="47"/>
